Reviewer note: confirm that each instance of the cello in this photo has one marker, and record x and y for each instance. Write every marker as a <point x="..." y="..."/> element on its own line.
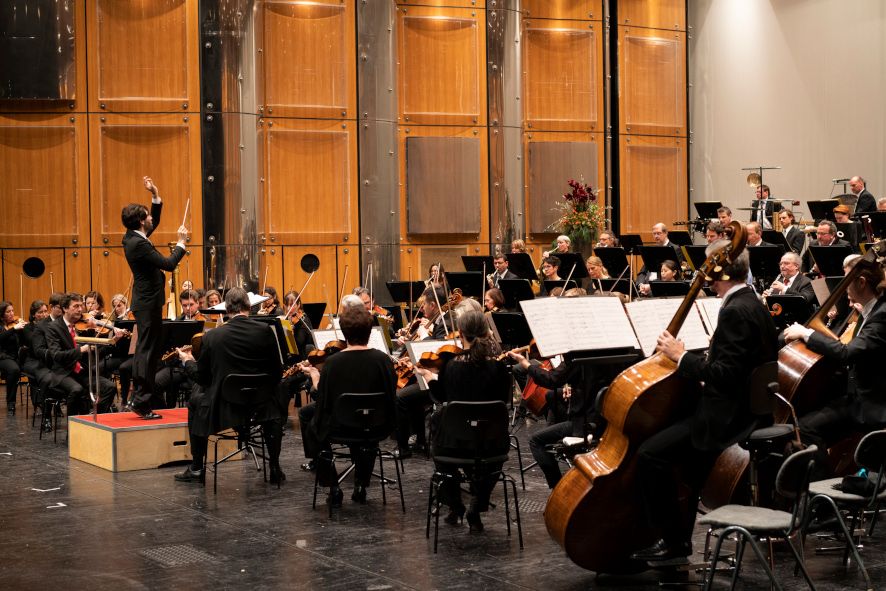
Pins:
<point x="593" y="511"/>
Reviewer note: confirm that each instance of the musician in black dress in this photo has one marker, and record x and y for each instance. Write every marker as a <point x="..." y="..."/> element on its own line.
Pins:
<point x="473" y="376"/>
<point x="745" y="339"/>
<point x="861" y="408"/>
<point x="10" y="331"/>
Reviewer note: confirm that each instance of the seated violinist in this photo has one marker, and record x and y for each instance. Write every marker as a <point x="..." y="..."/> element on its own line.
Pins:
<point x="356" y="369"/>
<point x="93" y="305"/>
<point x="10" y="337"/>
<point x="69" y="371"/>
<point x="271" y="306"/>
<point x="190" y="306"/>
<point x="494" y="300"/>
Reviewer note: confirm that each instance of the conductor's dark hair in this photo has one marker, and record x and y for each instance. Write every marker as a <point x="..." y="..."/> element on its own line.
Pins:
<point x="356" y="324"/>
<point x="133" y="215"/>
<point x="236" y="300"/>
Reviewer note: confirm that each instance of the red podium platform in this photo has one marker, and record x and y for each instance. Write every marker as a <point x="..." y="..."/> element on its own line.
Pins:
<point x="123" y="441"/>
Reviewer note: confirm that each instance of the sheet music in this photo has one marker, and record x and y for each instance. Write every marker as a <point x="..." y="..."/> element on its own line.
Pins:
<point x="710" y="310"/>
<point x="416" y="348"/>
<point x="651" y="317"/>
<point x="561" y="325"/>
<point x="376" y="339"/>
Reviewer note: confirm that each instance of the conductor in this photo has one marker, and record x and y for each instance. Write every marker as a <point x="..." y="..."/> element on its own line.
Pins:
<point x="148" y="292"/>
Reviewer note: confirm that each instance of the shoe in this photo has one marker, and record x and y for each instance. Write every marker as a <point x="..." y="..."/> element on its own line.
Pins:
<point x="661" y="550"/>
<point x="147" y="415"/>
<point x="455" y="515"/>
<point x="309" y="466"/>
<point x="401" y="454"/>
<point x="190" y="475"/>
<point x="127" y="408"/>
<point x="10" y="408"/>
<point x="336" y="496"/>
<point x="473" y="519"/>
<point x="359" y="495"/>
<point x="46" y="426"/>
<point x="277" y="476"/>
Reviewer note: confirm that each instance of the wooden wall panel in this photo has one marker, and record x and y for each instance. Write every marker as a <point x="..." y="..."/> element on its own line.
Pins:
<point x="125" y="148"/>
<point x="563" y="75"/>
<point x="78" y="270"/>
<point x="44" y="190"/>
<point x="441" y="66"/>
<point x="310" y="188"/>
<point x="563" y="9"/>
<point x="653" y="186"/>
<point x="143" y="55"/>
<point x="271" y="270"/>
<point x="482" y="203"/>
<point x="656" y="14"/>
<point x="652" y="82"/>
<point x="20" y="289"/>
<point x="539" y="205"/>
<point x="327" y="281"/>
<point x="111" y="274"/>
<point x="415" y="261"/>
<point x="309" y="59"/>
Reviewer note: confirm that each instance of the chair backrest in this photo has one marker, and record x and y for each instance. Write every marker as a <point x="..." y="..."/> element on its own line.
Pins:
<point x="248" y="389"/>
<point x="473" y="430"/>
<point x="792" y="480"/>
<point x="763" y="379"/>
<point x="362" y="415"/>
<point x="871" y="451"/>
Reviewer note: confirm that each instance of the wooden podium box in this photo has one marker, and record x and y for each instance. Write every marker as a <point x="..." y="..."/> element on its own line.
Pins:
<point x="120" y="442"/>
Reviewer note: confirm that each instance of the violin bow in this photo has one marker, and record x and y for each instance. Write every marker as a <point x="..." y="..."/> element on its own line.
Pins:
<point x="568" y="279"/>
<point x="439" y="307"/>
<point x="51" y="285"/>
<point x="21" y="295"/>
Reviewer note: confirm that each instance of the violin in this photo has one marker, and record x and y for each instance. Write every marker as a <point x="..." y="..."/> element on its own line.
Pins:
<point x="173" y="352"/>
<point x="380" y="312"/>
<point x="15" y="324"/>
<point x="405" y="372"/>
<point x="319" y="356"/>
<point x="435" y="360"/>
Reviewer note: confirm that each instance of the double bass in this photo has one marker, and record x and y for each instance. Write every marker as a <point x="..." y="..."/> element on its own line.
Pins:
<point x="593" y="511"/>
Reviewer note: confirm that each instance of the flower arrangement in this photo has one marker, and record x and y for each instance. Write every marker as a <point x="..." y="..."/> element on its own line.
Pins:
<point x="581" y="216"/>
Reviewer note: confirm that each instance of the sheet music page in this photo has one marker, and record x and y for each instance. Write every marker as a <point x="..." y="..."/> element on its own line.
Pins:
<point x="561" y="325"/>
<point x="651" y="317"/>
<point x="416" y="348"/>
<point x="324" y="337"/>
<point x="377" y="341"/>
<point x="710" y="310"/>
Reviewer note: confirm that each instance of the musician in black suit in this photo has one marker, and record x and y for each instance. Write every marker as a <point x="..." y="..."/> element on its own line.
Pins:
<point x="755" y="235"/>
<point x="660" y="235"/>
<point x="795" y="237"/>
<point x="791" y="282"/>
<point x="826" y="235"/>
<point x="745" y="339"/>
<point x="240" y="346"/>
<point x="866" y="202"/>
<point x="765" y="206"/>
<point x="862" y="407"/>
<point x="69" y="372"/>
<point x="501" y="270"/>
<point x="148" y="292"/>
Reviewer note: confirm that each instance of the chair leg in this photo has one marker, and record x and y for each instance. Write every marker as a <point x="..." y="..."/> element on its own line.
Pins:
<point x="316" y="481"/>
<point x="400" y="486"/>
<point x="515" y="443"/>
<point x="716" y="556"/>
<point x="850" y="543"/>
<point x="739" y="554"/>
<point x="381" y="472"/>
<point x="430" y="503"/>
<point x="504" y="488"/>
<point x="513" y="484"/>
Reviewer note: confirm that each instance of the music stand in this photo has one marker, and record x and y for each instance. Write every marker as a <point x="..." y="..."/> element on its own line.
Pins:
<point x="850" y="232"/>
<point x="878" y="222"/>
<point x="552" y="285"/>
<point x="631" y="243"/>
<point x="614" y="259"/>
<point x="622" y="285"/>
<point x="314" y="312"/>
<point x="474" y="262"/>
<point x="822" y="210"/>
<point x="662" y="289"/>
<point x="567" y="260"/>
<point x="285" y="338"/>
<point x="654" y="256"/>
<point x="787" y="309"/>
<point x="830" y="258"/>
<point x="765" y="262"/>
<point x="178" y="333"/>
<point x="520" y="264"/>
<point x="471" y="283"/>
<point x="511" y="328"/>
<point x="707" y="209"/>
<point x="515" y="290"/>
<point x="679" y="237"/>
<point x="399" y="290"/>
<point x="777" y="238"/>
<point x="695" y="255"/>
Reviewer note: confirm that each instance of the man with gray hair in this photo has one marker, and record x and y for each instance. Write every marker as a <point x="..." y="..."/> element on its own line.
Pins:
<point x="791" y="281"/>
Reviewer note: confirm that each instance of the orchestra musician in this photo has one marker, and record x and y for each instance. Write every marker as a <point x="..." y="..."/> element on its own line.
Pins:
<point x="607" y="239"/>
<point x="745" y="338"/>
<point x="866" y="202"/>
<point x="356" y="369"/>
<point x="10" y="333"/>
<point x="791" y="281"/>
<point x="172" y="377"/>
<point x="494" y="300"/>
<point x="550" y="267"/>
<point x="500" y="261"/>
<point x="301" y="324"/>
<point x="841" y="216"/>
<point x="518" y="245"/>
<point x="596" y="271"/>
<point x="764" y="207"/>
<point x="472" y="376"/>
<point x="826" y="235"/>
<point x="563" y="243"/>
<point x="724" y="216"/>
<point x="881" y="204"/>
<point x="69" y="372"/>
<point x="240" y="346"/>
<point x="94" y="305"/>
<point x="714" y="231"/>
<point x="755" y="234"/>
<point x="861" y="408"/>
<point x="794" y="235"/>
<point x="660" y="235"/>
<point x="34" y="364"/>
<point x="271" y="306"/>
<point x="148" y="292"/>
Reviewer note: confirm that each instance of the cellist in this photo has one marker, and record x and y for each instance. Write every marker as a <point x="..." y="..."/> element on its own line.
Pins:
<point x="862" y="407"/>
<point x="745" y="338"/>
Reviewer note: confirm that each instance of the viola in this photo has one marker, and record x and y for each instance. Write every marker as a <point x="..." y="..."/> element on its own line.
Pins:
<point x="435" y="360"/>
